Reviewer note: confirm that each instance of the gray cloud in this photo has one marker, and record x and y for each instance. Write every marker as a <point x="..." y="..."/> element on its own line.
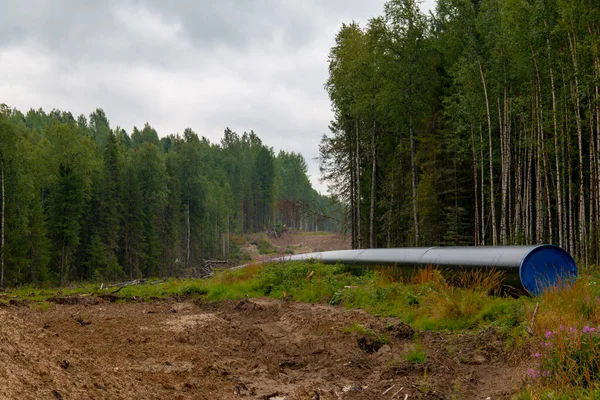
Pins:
<point x="245" y="64"/>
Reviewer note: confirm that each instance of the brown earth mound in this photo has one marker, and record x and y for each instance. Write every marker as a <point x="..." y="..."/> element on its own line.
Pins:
<point x="255" y="349"/>
<point x="308" y="243"/>
<point x="296" y="243"/>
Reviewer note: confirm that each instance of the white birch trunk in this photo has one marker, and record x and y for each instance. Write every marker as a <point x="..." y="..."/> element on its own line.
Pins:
<point x="492" y="205"/>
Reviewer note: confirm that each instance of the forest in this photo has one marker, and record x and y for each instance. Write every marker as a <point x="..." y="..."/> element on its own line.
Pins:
<point x="477" y="124"/>
<point x="84" y="201"/>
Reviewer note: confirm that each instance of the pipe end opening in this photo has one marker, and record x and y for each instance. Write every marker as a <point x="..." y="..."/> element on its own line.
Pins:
<point x="546" y="267"/>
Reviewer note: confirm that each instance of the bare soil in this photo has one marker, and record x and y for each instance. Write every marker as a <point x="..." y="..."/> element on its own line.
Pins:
<point x="92" y="348"/>
<point x="298" y="243"/>
<point x="256" y="349"/>
<point x="307" y="243"/>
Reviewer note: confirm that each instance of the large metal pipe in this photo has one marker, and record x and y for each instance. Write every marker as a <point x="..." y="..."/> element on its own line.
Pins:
<point x="533" y="268"/>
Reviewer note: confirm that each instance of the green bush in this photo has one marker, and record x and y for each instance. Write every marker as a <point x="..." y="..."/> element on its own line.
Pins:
<point x="265" y="247"/>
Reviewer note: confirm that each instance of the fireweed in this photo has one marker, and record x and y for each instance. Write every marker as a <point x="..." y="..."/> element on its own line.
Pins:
<point x="568" y="356"/>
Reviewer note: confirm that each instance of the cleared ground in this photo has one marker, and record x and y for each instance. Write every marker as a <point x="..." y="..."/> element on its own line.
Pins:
<point x="89" y="347"/>
<point x="262" y="349"/>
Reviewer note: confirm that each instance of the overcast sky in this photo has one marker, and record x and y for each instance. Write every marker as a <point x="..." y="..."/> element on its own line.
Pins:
<point x="245" y="64"/>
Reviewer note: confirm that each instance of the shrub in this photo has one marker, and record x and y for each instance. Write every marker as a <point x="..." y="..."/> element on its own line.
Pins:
<point x="265" y="247"/>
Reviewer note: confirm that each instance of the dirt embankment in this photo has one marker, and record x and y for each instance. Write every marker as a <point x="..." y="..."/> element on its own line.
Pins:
<point x="296" y="243"/>
<point x="307" y="243"/>
<point x="256" y="349"/>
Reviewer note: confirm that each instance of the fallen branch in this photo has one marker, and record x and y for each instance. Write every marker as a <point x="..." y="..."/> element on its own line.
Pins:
<point x="531" y="328"/>
<point x="121" y="285"/>
<point x="388" y="389"/>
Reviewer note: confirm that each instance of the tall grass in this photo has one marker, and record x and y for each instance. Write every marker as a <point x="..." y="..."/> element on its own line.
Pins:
<point x="465" y="296"/>
<point x="423" y="298"/>
<point x="566" y="362"/>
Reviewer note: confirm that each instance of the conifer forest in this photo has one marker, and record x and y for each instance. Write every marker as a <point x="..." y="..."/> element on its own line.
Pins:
<point x="84" y="201"/>
<point x="477" y="124"/>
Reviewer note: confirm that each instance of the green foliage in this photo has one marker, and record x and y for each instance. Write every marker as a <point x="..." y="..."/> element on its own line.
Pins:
<point x="416" y="354"/>
<point x="194" y="290"/>
<point x="265" y="247"/>
<point x="358" y="328"/>
<point x="370" y="340"/>
<point x="473" y="125"/>
<point x="435" y="309"/>
<point x="311" y="282"/>
<point x="87" y="202"/>
<point x="41" y="306"/>
<point x="99" y="128"/>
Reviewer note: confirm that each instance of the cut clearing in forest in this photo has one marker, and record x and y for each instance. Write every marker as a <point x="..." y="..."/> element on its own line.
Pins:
<point x="300" y="331"/>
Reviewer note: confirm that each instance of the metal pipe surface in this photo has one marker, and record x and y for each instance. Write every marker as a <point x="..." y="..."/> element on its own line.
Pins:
<point x="533" y="268"/>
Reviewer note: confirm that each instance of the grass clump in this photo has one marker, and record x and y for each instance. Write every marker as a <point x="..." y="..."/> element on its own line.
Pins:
<point x="41" y="306"/>
<point x="369" y="340"/>
<point x="265" y="247"/>
<point x="358" y="328"/>
<point x="416" y="354"/>
<point x="305" y="281"/>
<point x="194" y="290"/>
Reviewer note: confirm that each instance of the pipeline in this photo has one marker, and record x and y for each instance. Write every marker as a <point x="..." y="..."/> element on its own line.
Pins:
<point x="530" y="268"/>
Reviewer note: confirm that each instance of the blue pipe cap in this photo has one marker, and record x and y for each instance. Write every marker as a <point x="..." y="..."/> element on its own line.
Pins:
<point x="547" y="266"/>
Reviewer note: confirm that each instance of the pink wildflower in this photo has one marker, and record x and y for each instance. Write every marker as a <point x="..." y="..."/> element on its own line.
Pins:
<point x="532" y="373"/>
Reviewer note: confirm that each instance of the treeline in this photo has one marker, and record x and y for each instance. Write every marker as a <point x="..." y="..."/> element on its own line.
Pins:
<point x="477" y="124"/>
<point x="84" y="201"/>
